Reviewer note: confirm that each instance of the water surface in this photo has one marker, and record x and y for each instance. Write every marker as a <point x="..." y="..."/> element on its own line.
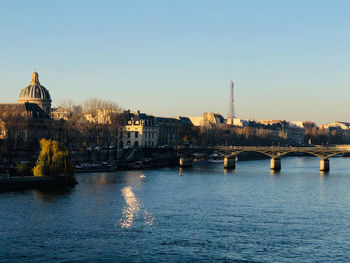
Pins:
<point x="201" y="214"/>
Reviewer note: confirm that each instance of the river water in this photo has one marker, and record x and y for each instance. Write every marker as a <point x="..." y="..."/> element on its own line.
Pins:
<point x="201" y="214"/>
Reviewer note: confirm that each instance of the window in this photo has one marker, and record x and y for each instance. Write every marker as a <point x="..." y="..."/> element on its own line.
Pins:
<point x="136" y="134"/>
<point x="136" y="144"/>
<point x="129" y="134"/>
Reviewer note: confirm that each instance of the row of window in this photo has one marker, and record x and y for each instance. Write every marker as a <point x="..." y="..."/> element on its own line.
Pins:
<point x="143" y="122"/>
<point x="136" y="134"/>
<point x="149" y="134"/>
<point x="146" y="134"/>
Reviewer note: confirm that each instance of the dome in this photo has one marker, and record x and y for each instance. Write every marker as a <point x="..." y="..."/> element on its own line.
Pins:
<point x="34" y="91"/>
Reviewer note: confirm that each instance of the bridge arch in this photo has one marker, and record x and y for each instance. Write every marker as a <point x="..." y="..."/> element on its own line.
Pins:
<point x="284" y="153"/>
<point x="275" y="153"/>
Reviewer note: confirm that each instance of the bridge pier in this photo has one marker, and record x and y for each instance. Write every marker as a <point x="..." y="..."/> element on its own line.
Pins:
<point x="324" y="165"/>
<point x="185" y="161"/>
<point x="275" y="164"/>
<point x="230" y="162"/>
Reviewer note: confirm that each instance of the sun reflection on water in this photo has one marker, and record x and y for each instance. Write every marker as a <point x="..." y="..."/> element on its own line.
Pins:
<point x="132" y="209"/>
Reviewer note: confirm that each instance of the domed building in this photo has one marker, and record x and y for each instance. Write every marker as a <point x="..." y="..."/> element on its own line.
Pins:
<point x="24" y="123"/>
<point x="35" y="93"/>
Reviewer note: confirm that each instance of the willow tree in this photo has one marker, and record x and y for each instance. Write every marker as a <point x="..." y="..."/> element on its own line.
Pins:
<point x="53" y="160"/>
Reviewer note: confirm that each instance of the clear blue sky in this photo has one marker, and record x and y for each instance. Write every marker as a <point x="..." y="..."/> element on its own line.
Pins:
<point x="288" y="59"/>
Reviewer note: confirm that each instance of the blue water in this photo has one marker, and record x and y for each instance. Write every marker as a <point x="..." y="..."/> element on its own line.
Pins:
<point x="203" y="214"/>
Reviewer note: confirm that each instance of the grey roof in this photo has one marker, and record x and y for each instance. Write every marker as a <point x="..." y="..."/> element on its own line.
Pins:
<point x="34" y="91"/>
<point x="148" y="119"/>
<point x="31" y="110"/>
<point x="186" y="120"/>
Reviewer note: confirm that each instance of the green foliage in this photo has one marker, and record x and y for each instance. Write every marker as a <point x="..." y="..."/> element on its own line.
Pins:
<point x="53" y="160"/>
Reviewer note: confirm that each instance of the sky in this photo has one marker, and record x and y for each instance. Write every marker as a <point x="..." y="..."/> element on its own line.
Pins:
<point x="288" y="59"/>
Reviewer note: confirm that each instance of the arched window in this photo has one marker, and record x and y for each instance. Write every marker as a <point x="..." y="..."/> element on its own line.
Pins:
<point x="136" y="144"/>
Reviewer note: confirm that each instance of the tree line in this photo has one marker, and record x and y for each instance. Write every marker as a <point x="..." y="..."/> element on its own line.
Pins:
<point x="99" y="128"/>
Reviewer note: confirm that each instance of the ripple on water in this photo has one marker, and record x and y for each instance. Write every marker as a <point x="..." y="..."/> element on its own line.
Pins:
<point x="203" y="216"/>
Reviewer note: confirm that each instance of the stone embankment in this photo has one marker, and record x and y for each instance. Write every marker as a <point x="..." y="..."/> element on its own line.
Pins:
<point x="8" y="183"/>
<point x="147" y="158"/>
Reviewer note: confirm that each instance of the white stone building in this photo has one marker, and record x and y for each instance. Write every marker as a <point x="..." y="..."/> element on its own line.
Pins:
<point x="139" y="130"/>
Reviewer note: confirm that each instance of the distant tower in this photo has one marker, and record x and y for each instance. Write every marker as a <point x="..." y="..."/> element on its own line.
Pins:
<point x="231" y="112"/>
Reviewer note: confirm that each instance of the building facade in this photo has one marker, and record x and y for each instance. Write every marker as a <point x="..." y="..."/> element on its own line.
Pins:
<point x="208" y="119"/>
<point x="61" y="113"/>
<point x="140" y="130"/>
<point x="29" y="120"/>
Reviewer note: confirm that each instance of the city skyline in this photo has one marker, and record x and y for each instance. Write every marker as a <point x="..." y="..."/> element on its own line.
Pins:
<point x="288" y="61"/>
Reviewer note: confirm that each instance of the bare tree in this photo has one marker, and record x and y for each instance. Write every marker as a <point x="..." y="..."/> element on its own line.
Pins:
<point x="67" y="104"/>
<point x="15" y="129"/>
<point x="104" y="114"/>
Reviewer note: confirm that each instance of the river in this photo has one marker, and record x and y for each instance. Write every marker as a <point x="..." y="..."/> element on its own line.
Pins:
<point x="201" y="214"/>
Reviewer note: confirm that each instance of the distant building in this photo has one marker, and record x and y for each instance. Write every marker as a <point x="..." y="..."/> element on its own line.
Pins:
<point x="238" y="122"/>
<point x="294" y="135"/>
<point x="167" y="130"/>
<point x="170" y="128"/>
<point x="147" y="131"/>
<point x="139" y="131"/>
<point x="297" y="123"/>
<point x="64" y="113"/>
<point x="273" y="122"/>
<point x="341" y="124"/>
<point x="29" y="120"/>
<point x="208" y="119"/>
<point x="288" y="133"/>
<point x="197" y="120"/>
<point x="342" y="128"/>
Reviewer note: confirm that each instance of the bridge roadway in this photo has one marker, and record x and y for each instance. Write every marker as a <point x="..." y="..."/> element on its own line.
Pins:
<point x="274" y="152"/>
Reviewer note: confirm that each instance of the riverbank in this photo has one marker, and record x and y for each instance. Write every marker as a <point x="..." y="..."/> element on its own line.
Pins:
<point x="8" y="184"/>
<point x="148" y="158"/>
